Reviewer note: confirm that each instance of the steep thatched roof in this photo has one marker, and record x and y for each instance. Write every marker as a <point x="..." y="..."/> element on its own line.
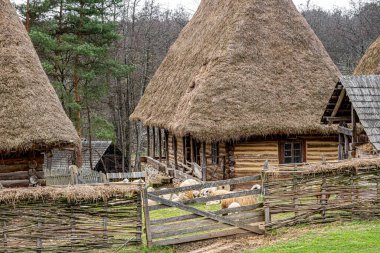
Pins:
<point x="31" y="115"/>
<point x="370" y="63"/>
<point x="241" y="68"/>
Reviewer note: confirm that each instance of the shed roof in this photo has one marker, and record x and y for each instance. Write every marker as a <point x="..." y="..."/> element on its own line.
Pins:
<point x="31" y="115"/>
<point x="363" y="93"/>
<point x="239" y="69"/>
<point x="62" y="159"/>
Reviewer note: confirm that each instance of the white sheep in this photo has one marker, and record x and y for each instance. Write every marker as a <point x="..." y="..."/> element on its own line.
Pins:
<point x="188" y="182"/>
<point x="256" y="187"/>
<point x="233" y="205"/>
<point x="207" y="191"/>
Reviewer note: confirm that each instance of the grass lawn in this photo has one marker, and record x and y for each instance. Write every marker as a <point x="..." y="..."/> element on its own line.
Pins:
<point x="363" y="236"/>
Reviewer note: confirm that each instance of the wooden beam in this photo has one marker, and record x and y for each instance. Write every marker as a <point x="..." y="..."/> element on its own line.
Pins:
<point x="204" y="162"/>
<point x="175" y="152"/>
<point x="332" y="120"/>
<point x="354" y="131"/>
<point x="345" y="130"/>
<point x="346" y="146"/>
<point x="338" y="103"/>
<point x="167" y="147"/>
<point x="154" y="143"/>
<point x="191" y="150"/>
<point x="148" y="140"/>
<point x="160" y="144"/>
<point x="340" y="147"/>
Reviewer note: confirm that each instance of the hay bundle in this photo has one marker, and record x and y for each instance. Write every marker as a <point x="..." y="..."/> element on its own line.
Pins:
<point x="30" y="111"/>
<point x="239" y="69"/>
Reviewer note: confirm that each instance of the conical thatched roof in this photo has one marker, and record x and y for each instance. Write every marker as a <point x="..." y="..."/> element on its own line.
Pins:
<point x="241" y="68"/>
<point x="31" y="115"/>
<point x="370" y="63"/>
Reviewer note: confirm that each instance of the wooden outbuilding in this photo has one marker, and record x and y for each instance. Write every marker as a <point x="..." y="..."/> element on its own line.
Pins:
<point x="246" y="82"/>
<point x="32" y="120"/>
<point x="355" y="107"/>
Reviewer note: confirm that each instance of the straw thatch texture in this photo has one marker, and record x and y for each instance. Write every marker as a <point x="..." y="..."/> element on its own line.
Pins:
<point x="370" y="63"/>
<point x="30" y="111"/>
<point x="70" y="194"/>
<point x="238" y="69"/>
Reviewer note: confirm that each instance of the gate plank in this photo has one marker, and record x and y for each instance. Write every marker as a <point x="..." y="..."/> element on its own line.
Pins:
<point x="211" y="198"/>
<point x="208" y="185"/>
<point x="206" y="214"/>
<point x="200" y="237"/>
<point x="194" y="216"/>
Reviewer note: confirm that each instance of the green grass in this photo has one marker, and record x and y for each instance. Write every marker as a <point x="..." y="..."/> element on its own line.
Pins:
<point x="173" y="212"/>
<point x="363" y="236"/>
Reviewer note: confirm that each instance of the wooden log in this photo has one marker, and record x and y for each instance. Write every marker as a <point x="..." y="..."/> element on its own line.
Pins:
<point x="19" y="175"/>
<point x="204" y="162"/>
<point x="175" y="144"/>
<point x="148" y="140"/>
<point x="354" y="131"/>
<point x="148" y="230"/>
<point x="167" y="149"/>
<point x="154" y="142"/>
<point x="160" y="144"/>
<point x="15" y="183"/>
<point x="265" y="178"/>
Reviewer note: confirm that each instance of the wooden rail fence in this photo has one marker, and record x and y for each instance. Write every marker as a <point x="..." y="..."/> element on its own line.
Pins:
<point x="195" y="222"/>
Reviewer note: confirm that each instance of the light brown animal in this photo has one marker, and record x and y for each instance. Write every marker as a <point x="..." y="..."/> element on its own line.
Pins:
<point x="242" y="201"/>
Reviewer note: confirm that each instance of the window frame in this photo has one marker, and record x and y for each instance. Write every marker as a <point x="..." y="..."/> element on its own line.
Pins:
<point x="292" y="142"/>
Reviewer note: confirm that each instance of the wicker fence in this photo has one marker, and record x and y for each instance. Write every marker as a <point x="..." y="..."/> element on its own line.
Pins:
<point x="75" y="219"/>
<point x="321" y="196"/>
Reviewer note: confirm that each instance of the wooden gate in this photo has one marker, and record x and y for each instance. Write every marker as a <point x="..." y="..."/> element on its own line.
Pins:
<point x="168" y="222"/>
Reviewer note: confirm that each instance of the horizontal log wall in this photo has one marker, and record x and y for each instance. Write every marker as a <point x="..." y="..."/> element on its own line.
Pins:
<point x="15" y="169"/>
<point x="250" y="156"/>
<point x="315" y="149"/>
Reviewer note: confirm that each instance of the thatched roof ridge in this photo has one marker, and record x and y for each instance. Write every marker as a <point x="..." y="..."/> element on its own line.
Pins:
<point x="370" y="63"/>
<point x="239" y="69"/>
<point x="31" y="115"/>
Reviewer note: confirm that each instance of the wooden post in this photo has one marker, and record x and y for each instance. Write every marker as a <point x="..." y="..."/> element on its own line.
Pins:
<point x="39" y="226"/>
<point x="154" y="143"/>
<point x="105" y="223"/>
<point x="5" y="236"/>
<point x="354" y="131"/>
<point x="167" y="148"/>
<point x="175" y="146"/>
<point x="140" y="216"/>
<point x="148" y="231"/>
<point x="184" y="150"/>
<point x="340" y="148"/>
<point x="191" y="151"/>
<point x="265" y="179"/>
<point x="204" y="162"/>
<point x="148" y="140"/>
<point x="160" y="144"/>
<point x="323" y="196"/>
<point x="295" y="195"/>
<point x="346" y="146"/>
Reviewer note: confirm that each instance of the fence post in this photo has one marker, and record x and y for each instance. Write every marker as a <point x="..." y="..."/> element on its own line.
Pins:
<point x="295" y="192"/>
<point x="39" y="226"/>
<point x="323" y="196"/>
<point x="5" y="238"/>
<point x="352" y="195"/>
<point x="140" y="216"/>
<point x="148" y="231"/>
<point x="265" y="179"/>
<point x="105" y="223"/>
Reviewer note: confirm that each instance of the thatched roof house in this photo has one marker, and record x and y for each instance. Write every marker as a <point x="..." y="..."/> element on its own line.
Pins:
<point x="242" y="69"/>
<point x="31" y="116"/>
<point x="370" y="63"/>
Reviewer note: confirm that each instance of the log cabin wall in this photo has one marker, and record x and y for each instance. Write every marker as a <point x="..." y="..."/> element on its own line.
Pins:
<point x="251" y="155"/>
<point x="16" y="169"/>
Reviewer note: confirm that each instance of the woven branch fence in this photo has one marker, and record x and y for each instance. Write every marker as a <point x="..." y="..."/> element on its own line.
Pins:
<point x="71" y="219"/>
<point x="298" y="196"/>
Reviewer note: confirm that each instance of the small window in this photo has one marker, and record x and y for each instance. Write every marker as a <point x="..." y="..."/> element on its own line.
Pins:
<point x="292" y="152"/>
<point x="215" y="153"/>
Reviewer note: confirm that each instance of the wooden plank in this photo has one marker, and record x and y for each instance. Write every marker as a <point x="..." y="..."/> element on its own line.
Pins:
<point x="160" y="144"/>
<point x="210" y="198"/>
<point x="194" y="216"/>
<point x="147" y="218"/>
<point x="200" y="237"/>
<point x="175" y="152"/>
<point x="204" y="162"/>
<point x="202" y="185"/>
<point x="206" y="214"/>
<point x="345" y="130"/>
<point x="338" y="103"/>
<point x="148" y="140"/>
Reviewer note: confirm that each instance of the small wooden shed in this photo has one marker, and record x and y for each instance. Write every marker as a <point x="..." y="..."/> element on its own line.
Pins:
<point x="246" y="82"/>
<point x="32" y="120"/>
<point x="355" y="106"/>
